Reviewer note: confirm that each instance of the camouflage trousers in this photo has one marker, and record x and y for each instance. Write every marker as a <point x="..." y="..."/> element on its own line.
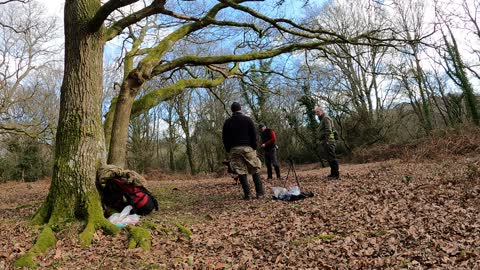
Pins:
<point x="244" y="160"/>
<point x="328" y="148"/>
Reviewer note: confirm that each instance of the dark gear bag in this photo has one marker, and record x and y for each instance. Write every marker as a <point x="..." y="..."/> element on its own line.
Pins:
<point x="112" y="196"/>
<point x="117" y="194"/>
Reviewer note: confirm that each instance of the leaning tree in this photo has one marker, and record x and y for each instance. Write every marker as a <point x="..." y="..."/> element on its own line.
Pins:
<point x="79" y="147"/>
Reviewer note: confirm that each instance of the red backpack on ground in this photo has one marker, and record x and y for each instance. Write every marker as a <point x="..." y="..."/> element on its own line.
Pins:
<point x="117" y="194"/>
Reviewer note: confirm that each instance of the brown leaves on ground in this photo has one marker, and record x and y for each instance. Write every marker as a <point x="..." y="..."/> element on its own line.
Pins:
<point x="386" y="215"/>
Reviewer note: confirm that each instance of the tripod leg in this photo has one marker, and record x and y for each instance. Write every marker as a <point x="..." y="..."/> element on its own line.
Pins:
<point x="295" y="174"/>
<point x="288" y="172"/>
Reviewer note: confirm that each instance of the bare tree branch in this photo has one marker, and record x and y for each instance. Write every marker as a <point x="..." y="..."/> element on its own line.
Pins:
<point x="105" y="10"/>
<point x="178" y="16"/>
<point x="207" y="60"/>
<point x="237" y="24"/>
<point x="152" y="99"/>
<point x="3" y="25"/>
<point x="12" y="1"/>
<point x="117" y="27"/>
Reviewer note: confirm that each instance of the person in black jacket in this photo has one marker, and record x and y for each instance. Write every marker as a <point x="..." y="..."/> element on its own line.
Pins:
<point x="240" y="140"/>
<point x="268" y="144"/>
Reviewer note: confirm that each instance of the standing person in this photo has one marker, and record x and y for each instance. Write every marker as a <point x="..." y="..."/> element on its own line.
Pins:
<point x="240" y="140"/>
<point x="327" y="141"/>
<point x="268" y="144"/>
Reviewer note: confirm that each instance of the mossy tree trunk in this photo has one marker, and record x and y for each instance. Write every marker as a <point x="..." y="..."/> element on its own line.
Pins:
<point x="133" y="83"/>
<point x="78" y="147"/>
<point x="121" y="119"/>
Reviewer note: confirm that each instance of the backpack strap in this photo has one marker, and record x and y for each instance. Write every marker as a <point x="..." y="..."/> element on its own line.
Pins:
<point x="155" y="202"/>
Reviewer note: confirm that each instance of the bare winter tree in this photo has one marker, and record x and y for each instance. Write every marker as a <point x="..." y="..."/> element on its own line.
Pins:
<point x="12" y="26"/>
<point x="25" y="59"/>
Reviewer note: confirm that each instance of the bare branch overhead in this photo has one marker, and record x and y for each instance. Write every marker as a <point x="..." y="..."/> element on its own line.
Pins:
<point x="117" y="27"/>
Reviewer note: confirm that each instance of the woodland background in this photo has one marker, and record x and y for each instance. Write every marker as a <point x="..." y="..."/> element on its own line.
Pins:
<point x="393" y="93"/>
<point x="399" y="78"/>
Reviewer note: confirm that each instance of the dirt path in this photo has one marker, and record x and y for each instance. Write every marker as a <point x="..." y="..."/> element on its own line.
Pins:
<point x="386" y="215"/>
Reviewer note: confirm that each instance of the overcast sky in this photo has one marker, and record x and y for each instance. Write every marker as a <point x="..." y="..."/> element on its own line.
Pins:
<point x="53" y="6"/>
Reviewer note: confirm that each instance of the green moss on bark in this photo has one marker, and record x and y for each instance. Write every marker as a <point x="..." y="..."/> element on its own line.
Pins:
<point x="44" y="242"/>
<point x="95" y="220"/>
<point x="139" y="237"/>
<point x="41" y="216"/>
<point x="154" y="98"/>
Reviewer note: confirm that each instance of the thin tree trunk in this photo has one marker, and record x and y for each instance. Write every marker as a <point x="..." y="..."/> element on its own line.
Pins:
<point x="119" y="135"/>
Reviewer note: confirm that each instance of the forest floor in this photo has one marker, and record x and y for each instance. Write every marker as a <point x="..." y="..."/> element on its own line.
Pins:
<point x="384" y="215"/>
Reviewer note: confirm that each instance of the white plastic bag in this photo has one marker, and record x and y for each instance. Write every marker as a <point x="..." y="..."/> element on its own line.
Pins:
<point x="131" y="219"/>
<point x="295" y="191"/>
<point x="279" y="192"/>
<point x="282" y="193"/>
<point x="124" y="218"/>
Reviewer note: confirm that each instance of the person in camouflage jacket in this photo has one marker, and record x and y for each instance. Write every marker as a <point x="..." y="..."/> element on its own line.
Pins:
<point x="327" y="141"/>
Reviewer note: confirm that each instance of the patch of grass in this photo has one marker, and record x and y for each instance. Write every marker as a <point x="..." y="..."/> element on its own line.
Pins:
<point x="324" y="237"/>
<point x="22" y="206"/>
<point x="473" y="172"/>
<point x="377" y="233"/>
<point x="155" y="266"/>
<point x="407" y="179"/>
<point x="187" y="219"/>
<point x="297" y="242"/>
<point x="466" y="254"/>
<point x="184" y="230"/>
<point x="404" y="264"/>
<point x="169" y="198"/>
<point x="327" y="238"/>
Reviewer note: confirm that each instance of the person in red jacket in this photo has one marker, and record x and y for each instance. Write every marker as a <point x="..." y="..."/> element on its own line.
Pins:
<point x="268" y="145"/>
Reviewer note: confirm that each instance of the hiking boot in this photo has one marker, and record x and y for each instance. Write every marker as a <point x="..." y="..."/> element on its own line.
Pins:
<point x="334" y="173"/>
<point x="247" y="198"/>
<point x="246" y="188"/>
<point x="260" y="197"/>
<point x="258" y="185"/>
<point x="333" y="176"/>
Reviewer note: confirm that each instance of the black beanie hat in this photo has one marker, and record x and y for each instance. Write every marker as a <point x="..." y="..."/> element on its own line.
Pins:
<point x="236" y="107"/>
<point x="261" y="126"/>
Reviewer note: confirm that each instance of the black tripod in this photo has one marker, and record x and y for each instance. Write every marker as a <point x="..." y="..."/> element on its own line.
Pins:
<point x="291" y="168"/>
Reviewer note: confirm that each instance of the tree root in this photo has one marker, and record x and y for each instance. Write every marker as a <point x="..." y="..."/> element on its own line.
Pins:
<point x="44" y="242"/>
<point x="86" y="236"/>
<point x="55" y="220"/>
<point x="139" y="237"/>
<point x="95" y="221"/>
